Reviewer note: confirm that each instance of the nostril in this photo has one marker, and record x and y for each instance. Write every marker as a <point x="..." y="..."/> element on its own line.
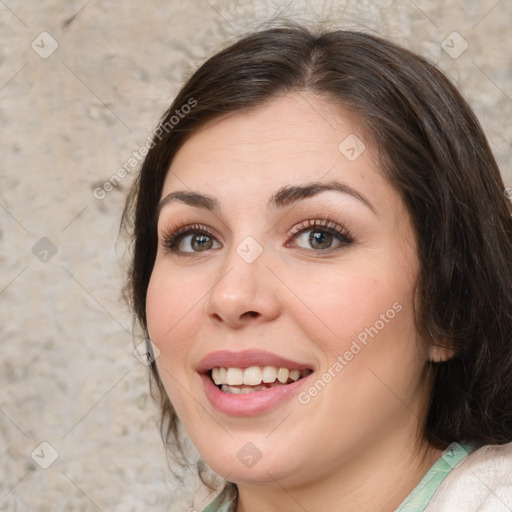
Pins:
<point x="245" y="316"/>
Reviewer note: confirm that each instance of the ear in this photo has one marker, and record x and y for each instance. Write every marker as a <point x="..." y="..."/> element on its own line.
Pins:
<point x="440" y="353"/>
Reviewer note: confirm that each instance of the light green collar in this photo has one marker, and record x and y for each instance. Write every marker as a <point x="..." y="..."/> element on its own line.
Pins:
<point x="420" y="496"/>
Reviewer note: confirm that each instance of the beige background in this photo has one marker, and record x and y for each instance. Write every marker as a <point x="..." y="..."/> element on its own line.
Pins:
<point x="68" y="121"/>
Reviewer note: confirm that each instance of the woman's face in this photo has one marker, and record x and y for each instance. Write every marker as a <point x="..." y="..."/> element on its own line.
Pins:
<point x="287" y="262"/>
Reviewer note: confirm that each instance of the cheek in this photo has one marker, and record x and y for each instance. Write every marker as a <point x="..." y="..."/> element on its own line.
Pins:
<point x="372" y="347"/>
<point x="364" y="324"/>
<point x="353" y="303"/>
<point x="171" y="319"/>
<point x="172" y="307"/>
<point x="158" y="307"/>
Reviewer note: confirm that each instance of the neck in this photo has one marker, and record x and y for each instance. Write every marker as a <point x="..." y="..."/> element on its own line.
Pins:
<point x="377" y="481"/>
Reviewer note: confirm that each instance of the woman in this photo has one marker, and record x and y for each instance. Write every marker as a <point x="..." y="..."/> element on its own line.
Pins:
<point x="322" y="255"/>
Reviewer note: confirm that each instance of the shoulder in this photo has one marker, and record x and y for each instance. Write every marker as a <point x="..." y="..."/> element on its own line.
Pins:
<point x="480" y="482"/>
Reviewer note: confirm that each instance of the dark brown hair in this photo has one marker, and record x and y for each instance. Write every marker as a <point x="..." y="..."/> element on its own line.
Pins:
<point x="432" y="150"/>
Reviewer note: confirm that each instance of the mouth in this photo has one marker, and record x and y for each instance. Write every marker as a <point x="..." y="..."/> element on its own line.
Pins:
<point x="242" y="381"/>
<point x="250" y="382"/>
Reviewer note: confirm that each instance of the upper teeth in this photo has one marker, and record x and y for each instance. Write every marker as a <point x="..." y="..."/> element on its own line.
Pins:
<point x="253" y="376"/>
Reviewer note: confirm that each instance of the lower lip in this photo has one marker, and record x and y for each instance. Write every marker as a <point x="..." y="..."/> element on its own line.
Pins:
<point x="249" y="404"/>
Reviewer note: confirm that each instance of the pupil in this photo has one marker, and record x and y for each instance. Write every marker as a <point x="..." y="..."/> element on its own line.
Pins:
<point x="201" y="242"/>
<point x="320" y="240"/>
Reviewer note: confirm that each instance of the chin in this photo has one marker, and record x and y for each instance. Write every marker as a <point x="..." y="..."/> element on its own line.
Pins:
<point x="248" y="464"/>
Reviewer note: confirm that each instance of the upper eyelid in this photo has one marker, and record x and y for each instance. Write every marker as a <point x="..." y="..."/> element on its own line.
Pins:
<point x="291" y="195"/>
<point x="320" y="224"/>
<point x="315" y="223"/>
<point x="308" y="223"/>
<point x="172" y="234"/>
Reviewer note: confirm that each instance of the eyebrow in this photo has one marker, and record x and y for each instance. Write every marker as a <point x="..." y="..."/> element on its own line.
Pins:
<point x="285" y="196"/>
<point x="292" y="193"/>
<point x="190" y="198"/>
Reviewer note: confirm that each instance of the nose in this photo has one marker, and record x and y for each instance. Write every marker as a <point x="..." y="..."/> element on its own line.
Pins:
<point x="244" y="292"/>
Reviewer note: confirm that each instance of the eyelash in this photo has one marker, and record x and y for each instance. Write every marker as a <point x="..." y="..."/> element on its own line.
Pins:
<point x="172" y="237"/>
<point x="326" y="225"/>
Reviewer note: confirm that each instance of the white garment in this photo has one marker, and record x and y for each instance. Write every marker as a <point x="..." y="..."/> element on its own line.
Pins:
<point x="481" y="482"/>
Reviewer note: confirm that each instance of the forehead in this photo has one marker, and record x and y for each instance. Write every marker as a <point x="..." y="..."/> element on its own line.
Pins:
<point x="296" y="138"/>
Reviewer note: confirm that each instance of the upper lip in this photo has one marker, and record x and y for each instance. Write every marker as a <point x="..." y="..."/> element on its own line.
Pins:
<point x="246" y="359"/>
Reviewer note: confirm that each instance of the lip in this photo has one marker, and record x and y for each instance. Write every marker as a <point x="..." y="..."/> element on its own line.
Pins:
<point x="246" y="359"/>
<point x="255" y="403"/>
<point x="250" y="404"/>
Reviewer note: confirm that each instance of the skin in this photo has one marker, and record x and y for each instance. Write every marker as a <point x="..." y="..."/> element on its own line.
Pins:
<point x="357" y="444"/>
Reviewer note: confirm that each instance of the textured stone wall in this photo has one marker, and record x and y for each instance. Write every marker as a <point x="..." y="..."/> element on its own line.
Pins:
<point x="82" y="85"/>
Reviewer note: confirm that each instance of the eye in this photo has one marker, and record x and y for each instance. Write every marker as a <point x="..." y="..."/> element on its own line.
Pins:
<point x="320" y="235"/>
<point x="190" y="239"/>
<point x="317" y="239"/>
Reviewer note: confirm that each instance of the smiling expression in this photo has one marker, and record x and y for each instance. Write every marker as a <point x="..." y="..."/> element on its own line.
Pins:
<point x="276" y="252"/>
